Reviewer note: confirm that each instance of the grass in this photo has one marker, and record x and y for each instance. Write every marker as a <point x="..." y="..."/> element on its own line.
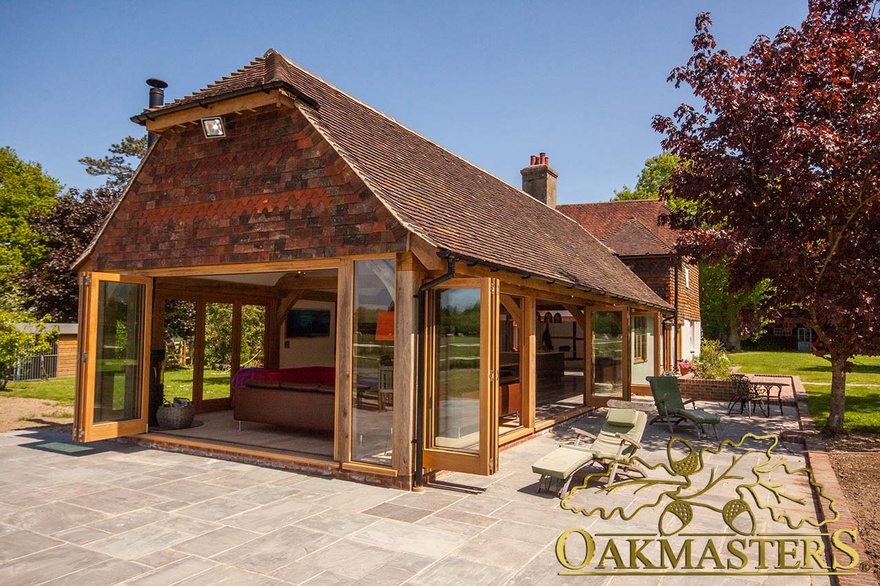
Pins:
<point x="54" y="389"/>
<point x="862" y="384"/>
<point x="178" y="383"/>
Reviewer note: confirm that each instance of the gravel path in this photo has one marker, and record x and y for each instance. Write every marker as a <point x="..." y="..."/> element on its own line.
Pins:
<point x="18" y="413"/>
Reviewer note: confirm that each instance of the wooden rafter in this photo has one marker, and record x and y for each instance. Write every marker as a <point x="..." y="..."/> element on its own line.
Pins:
<point x="577" y="314"/>
<point x="287" y="303"/>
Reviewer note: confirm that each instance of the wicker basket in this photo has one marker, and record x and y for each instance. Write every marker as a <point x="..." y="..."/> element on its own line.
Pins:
<point x="172" y="417"/>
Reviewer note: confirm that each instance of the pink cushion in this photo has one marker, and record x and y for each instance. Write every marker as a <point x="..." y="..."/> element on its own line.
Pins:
<point x="316" y="375"/>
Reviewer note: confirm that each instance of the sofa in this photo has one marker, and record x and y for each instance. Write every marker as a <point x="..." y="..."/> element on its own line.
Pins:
<point x="299" y="398"/>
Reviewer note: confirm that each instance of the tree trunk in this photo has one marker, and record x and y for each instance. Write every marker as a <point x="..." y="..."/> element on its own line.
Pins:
<point x="834" y="425"/>
<point x="733" y="337"/>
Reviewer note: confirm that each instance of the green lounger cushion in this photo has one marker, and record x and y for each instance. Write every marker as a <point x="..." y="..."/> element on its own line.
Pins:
<point x="562" y="462"/>
<point x="698" y="416"/>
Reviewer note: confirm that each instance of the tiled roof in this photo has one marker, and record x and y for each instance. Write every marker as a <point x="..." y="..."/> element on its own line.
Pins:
<point x="633" y="238"/>
<point x="437" y="195"/>
<point x="627" y="227"/>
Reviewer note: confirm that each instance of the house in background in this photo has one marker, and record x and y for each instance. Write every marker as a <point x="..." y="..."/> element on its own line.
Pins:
<point x="631" y="229"/>
<point x="398" y="289"/>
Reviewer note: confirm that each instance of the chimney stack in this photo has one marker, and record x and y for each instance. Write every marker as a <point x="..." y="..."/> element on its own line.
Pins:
<point x="157" y="98"/>
<point x="539" y="180"/>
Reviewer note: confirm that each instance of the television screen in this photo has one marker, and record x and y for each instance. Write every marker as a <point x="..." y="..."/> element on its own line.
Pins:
<point x="308" y="323"/>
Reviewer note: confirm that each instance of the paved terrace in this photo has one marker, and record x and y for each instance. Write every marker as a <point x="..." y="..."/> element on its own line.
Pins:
<point x="110" y="513"/>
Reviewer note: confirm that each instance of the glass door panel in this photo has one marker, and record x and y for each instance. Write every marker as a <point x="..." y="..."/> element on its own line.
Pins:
<point x="608" y="356"/>
<point x="510" y="398"/>
<point x="112" y="389"/>
<point x="462" y="413"/>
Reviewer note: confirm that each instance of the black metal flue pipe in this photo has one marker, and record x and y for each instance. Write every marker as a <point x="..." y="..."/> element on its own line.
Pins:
<point x="157" y="98"/>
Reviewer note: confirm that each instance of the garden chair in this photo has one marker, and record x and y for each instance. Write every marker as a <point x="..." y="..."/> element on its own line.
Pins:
<point x="747" y="394"/>
<point x="615" y="444"/>
<point x="671" y="409"/>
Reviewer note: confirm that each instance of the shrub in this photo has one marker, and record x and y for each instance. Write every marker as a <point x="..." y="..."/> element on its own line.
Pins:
<point x="712" y="361"/>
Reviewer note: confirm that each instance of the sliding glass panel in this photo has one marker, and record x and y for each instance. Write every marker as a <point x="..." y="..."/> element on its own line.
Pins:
<point x="373" y="361"/>
<point x="457" y="370"/>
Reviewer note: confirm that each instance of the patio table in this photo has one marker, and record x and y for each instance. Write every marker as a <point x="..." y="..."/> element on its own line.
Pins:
<point x="768" y="390"/>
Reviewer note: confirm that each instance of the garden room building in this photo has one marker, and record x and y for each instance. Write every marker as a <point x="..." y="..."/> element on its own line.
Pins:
<point x="336" y="293"/>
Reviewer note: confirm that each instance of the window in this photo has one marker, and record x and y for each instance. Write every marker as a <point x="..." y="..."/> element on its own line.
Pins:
<point x="640" y="338"/>
<point x="687" y="278"/>
<point x="777" y="331"/>
<point x="373" y="361"/>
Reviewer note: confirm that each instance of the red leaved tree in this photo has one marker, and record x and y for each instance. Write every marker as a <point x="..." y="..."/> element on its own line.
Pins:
<point x="784" y="167"/>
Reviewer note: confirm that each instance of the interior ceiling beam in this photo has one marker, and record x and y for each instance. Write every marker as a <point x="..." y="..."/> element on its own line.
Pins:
<point x="298" y="280"/>
<point x="209" y="285"/>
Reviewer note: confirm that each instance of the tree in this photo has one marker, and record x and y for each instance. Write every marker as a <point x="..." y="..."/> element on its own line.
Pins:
<point x="653" y="178"/>
<point x="728" y="316"/>
<point x="24" y="190"/>
<point x="117" y="166"/>
<point x="783" y="164"/>
<point x="49" y="286"/>
<point x="16" y="343"/>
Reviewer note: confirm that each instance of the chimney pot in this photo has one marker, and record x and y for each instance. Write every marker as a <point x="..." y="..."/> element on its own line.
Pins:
<point x="539" y="180"/>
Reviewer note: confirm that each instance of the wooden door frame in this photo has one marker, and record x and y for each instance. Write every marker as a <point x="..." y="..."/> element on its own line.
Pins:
<point x="485" y="461"/>
<point x="86" y="429"/>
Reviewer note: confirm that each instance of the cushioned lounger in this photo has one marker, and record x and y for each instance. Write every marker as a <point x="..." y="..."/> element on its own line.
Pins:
<point x="616" y="442"/>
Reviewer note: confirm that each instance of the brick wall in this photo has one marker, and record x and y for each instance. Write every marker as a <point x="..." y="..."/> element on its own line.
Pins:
<point x="689" y="297"/>
<point x="656" y="272"/>
<point x="706" y="389"/>
<point x="273" y="190"/>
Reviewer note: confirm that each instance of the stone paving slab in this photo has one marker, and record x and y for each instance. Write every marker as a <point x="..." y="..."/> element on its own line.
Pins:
<point x="115" y="513"/>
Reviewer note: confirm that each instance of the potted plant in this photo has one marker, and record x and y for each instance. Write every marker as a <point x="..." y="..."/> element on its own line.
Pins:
<point x="176" y="414"/>
<point x="685" y="366"/>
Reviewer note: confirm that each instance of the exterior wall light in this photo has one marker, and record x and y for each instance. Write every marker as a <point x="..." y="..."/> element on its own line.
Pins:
<point x="214" y="127"/>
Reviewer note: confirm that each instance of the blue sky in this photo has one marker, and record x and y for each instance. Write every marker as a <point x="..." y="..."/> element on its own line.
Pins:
<point x="492" y="81"/>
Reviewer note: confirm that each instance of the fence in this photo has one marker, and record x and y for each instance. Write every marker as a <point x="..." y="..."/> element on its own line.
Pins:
<point x="36" y="367"/>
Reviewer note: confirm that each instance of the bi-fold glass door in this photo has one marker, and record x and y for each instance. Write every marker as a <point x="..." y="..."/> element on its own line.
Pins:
<point x="112" y="398"/>
<point x="461" y="418"/>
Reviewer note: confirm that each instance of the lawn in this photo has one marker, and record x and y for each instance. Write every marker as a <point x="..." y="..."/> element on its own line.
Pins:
<point x="54" y="389"/>
<point x="862" y="384"/>
<point x="178" y="383"/>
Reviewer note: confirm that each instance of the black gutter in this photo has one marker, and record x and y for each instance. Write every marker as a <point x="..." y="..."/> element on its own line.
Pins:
<point x="420" y="364"/>
<point x="549" y="280"/>
<point x="146" y="115"/>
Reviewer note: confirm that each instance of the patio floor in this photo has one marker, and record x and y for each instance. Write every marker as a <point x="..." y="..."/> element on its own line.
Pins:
<point x="109" y="513"/>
